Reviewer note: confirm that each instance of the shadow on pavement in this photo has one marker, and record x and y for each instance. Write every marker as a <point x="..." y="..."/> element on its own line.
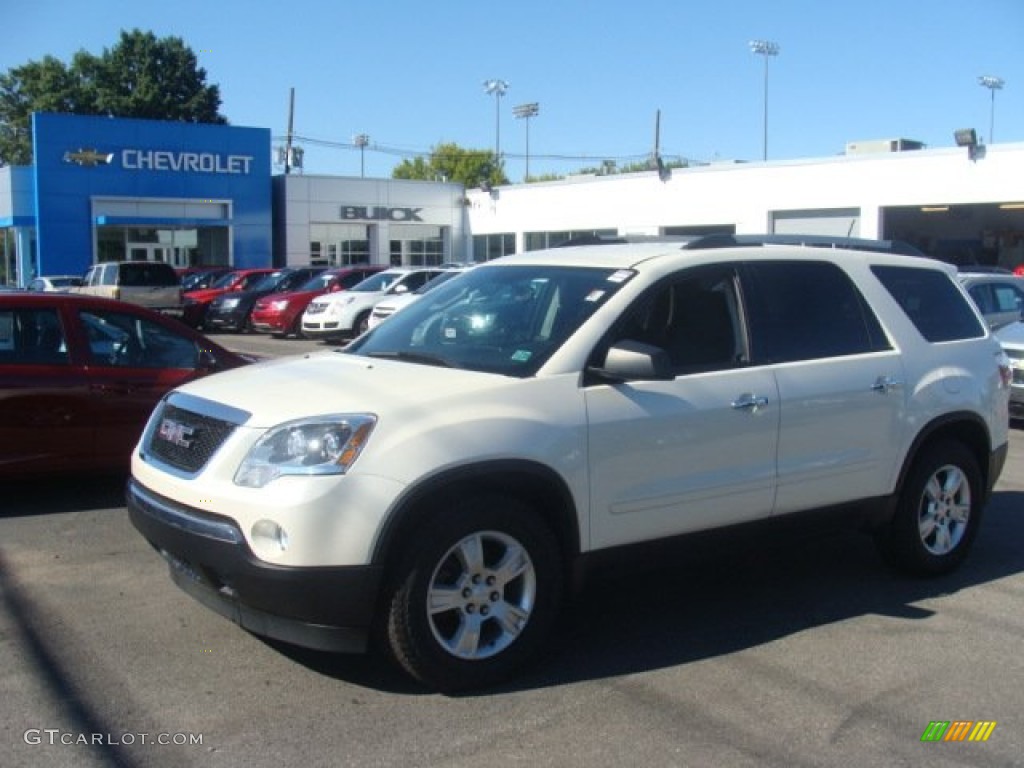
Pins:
<point x="55" y="494"/>
<point x="687" y="603"/>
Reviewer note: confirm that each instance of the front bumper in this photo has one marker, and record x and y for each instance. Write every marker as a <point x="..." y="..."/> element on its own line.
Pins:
<point x="231" y="320"/>
<point x="324" y="328"/>
<point x="325" y="608"/>
<point x="267" y="323"/>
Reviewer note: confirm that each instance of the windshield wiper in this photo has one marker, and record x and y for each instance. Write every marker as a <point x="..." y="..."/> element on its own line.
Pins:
<point x="415" y="357"/>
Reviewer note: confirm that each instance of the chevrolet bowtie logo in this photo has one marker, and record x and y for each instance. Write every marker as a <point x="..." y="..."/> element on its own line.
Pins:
<point x="88" y="158"/>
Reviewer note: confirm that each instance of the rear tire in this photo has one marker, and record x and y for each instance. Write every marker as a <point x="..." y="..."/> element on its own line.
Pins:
<point x="475" y="594"/>
<point x="938" y="512"/>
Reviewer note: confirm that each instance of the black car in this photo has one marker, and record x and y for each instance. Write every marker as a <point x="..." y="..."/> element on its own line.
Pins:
<point x="233" y="311"/>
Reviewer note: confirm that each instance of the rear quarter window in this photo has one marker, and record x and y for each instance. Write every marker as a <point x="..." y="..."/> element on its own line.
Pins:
<point x="932" y="301"/>
<point x="147" y="274"/>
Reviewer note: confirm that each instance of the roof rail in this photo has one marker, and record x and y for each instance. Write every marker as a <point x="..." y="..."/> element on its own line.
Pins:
<point x="816" y="241"/>
<point x="620" y="239"/>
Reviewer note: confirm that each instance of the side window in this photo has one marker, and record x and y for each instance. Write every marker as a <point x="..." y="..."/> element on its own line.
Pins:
<point x="415" y="280"/>
<point x="1007" y="298"/>
<point x="932" y="302"/>
<point x="32" y="337"/>
<point x="108" y="274"/>
<point x="127" y="341"/>
<point x="354" y="278"/>
<point x="694" y="317"/>
<point x="807" y="310"/>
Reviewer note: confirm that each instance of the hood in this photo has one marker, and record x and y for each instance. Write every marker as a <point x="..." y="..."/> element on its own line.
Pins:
<point x="293" y="295"/>
<point x="1011" y="334"/>
<point x="297" y="386"/>
<point x="204" y="294"/>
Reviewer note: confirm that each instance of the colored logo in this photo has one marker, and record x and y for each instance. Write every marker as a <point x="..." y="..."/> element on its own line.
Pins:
<point x="958" y="730"/>
<point x="88" y="158"/>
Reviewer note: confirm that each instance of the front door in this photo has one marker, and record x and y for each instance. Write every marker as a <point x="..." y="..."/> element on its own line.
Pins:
<point x="149" y="252"/>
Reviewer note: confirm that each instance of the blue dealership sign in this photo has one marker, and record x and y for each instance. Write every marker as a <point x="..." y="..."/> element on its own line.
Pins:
<point x="203" y="191"/>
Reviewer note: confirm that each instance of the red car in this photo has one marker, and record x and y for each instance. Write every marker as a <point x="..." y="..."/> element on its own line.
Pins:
<point x="197" y="302"/>
<point x="80" y="375"/>
<point x="281" y="313"/>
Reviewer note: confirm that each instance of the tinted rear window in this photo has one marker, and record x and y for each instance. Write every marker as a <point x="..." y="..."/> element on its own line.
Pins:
<point x="147" y="274"/>
<point x="932" y="301"/>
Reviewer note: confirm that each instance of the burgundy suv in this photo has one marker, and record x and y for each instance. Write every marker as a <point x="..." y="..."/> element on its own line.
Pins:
<point x="281" y="313"/>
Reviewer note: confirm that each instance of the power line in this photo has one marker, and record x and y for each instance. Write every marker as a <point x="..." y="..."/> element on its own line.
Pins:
<point x="406" y="152"/>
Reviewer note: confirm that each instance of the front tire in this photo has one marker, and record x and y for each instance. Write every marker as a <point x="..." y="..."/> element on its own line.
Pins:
<point x="938" y="512"/>
<point x="475" y="594"/>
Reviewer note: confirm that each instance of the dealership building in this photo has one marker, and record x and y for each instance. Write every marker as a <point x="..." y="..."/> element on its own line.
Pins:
<point x="191" y="194"/>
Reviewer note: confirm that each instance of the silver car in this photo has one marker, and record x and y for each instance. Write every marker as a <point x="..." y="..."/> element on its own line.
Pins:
<point x="999" y="296"/>
<point x="1011" y="336"/>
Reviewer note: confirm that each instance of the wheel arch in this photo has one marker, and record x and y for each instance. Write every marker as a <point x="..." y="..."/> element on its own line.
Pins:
<point x="964" y="427"/>
<point x="535" y="484"/>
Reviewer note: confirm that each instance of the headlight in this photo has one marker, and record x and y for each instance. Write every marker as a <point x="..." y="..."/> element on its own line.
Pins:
<point x="323" y="445"/>
<point x="279" y="306"/>
<point x="230" y="303"/>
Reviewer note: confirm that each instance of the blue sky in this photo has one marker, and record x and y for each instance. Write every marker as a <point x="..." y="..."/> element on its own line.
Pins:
<point x="410" y="74"/>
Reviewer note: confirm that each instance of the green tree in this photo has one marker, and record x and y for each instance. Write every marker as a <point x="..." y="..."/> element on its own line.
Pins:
<point x="471" y="167"/>
<point x="142" y="76"/>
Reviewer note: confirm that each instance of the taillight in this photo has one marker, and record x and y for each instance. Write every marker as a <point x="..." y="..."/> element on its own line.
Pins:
<point x="1005" y="369"/>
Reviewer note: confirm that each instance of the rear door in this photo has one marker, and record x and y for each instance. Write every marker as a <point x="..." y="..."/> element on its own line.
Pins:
<point x="841" y="384"/>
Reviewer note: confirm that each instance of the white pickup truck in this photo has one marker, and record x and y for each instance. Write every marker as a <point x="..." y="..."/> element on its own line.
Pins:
<point x="151" y="284"/>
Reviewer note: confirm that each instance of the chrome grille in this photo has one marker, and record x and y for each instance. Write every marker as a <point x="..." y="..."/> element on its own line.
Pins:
<point x="186" y="440"/>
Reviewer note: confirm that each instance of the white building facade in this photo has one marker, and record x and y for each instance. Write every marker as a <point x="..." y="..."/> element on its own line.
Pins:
<point x="965" y="205"/>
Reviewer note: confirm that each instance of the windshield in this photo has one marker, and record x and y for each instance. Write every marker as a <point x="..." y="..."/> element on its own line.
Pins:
<point x="319" y="282"/>
<point x="225" y="280"/>
<point x="506" y="320"/>
<point x="379" y="282"/>
<point x="434" y="282"/>
<point x="268" y="282"/>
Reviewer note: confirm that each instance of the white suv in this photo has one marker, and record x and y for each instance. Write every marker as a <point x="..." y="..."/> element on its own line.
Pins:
<point x="347" y="313"/>
<point x="442" y="478"/>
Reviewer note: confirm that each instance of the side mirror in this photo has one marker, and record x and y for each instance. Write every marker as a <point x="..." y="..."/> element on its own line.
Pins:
<point x="401" y="289"/>
<point x="630" y="360"/>
<point x="207" y="360"/>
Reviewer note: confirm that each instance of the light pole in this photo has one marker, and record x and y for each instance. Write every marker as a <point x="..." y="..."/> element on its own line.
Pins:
<point x="993" y="84"/>
<point x="765" y="48"/>
<point x="526" y="111"/>
<point x="496" y="88"/>
<point x="361" y="140"/>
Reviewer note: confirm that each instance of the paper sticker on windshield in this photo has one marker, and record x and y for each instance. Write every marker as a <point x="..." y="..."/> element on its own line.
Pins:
<point x="521" y="355"/>
<point x="595" y="295"/>
<point x="450" y="333"/>
<point x="620" y="276"/>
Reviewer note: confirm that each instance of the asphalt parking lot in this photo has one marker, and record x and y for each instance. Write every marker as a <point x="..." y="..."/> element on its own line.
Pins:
<point x="777" y="652"/>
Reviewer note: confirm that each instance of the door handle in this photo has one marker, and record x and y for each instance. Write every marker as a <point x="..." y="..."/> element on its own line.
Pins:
<point x="884" y="383"/>
<point x="749" y="402"/>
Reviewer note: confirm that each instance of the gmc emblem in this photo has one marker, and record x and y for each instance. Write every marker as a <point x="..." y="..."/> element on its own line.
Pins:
<point x="176" y="433"/>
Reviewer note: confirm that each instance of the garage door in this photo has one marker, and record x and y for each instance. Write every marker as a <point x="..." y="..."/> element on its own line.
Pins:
<point x="837" y="222"/>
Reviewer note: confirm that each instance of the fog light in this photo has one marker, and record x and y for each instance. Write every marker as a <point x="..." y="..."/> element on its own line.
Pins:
<point x="269" y="538"/>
